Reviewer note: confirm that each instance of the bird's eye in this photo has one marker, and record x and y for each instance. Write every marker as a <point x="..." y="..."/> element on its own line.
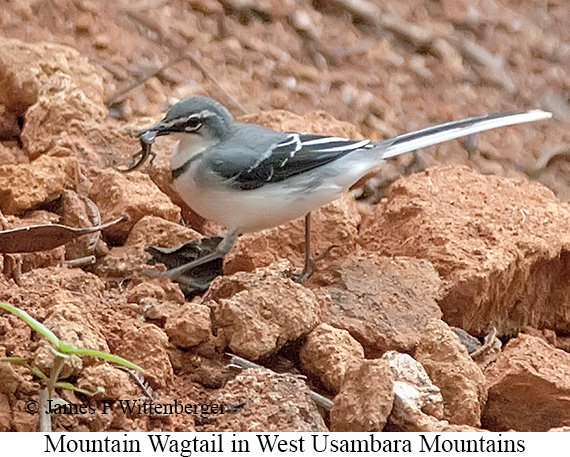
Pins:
<point x="193" y="125"/>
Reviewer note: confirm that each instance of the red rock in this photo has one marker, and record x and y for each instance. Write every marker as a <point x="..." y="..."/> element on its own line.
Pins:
<point x="157" y="231"/>
<point x="130" y="260"/>
<point x="270" y="402"/>
<point x="529" y="387"/>
<point x="5" y="413"/>
<point x="158" y="288"/>
<point x="117" y="383"/>
<point x="365" y="399"/>
<point x="336" y="224"/>
<point x="450" y="367"/>
<point x="135" y="195"/>
<point x="189" y="325"/>
<point x="255" y="314"/>
<point x="384" y="303"/>
<point x="124" y="262"/>
<point x="75" y="282"/>
<point x="498" y="244"/>
<point x="10" y="156"/>
<point x="83" y="24"/>
<point x="146" y="346"/>
<point x="407" y="416"/>
<point x="28" y="66"/>
<point x="21" y="419"/>
<point x="328" y="353"/>
<point x="71" y="325"/>
<point x="24" y="186"/>
<point x="51" y="86"/>
<point x="317" y="122"/>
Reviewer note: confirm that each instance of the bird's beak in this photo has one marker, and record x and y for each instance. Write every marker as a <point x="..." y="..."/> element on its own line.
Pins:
<point x="149" y="135"/>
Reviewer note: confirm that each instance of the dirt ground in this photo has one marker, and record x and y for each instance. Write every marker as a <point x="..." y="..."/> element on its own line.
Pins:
<point x="477" y="242"/>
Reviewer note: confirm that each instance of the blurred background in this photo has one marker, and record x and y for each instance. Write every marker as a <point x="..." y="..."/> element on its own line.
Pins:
<point x="388" y="67"/>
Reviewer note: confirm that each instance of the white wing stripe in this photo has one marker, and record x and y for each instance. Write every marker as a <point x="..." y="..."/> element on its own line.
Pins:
<point x="327" y="139"/>
<point x="348" y="147"/>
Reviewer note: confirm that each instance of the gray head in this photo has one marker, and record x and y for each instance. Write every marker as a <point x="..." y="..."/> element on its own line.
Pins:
<point x="198" y="115"/>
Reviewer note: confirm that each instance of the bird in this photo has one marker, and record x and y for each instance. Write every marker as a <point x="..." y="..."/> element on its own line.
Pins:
<point x="248" y="178"/>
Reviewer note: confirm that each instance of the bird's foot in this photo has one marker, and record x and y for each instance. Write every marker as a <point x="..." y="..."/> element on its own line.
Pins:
<point x="301" y="276"/>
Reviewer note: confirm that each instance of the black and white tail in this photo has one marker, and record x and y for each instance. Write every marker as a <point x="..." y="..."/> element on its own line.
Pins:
<point x="455" y="129"/>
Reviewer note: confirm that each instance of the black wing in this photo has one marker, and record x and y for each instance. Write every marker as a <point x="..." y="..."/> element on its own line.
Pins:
<point x="297" y="153"/>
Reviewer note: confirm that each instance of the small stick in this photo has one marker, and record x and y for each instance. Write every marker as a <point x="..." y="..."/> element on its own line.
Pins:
<point x="116" y="97"/>
<point x="208" y="75"/>
<point x="81" y="262"/>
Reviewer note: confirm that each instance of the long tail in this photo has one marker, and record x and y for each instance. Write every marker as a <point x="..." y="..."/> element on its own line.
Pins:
<point x="455" y="129"/>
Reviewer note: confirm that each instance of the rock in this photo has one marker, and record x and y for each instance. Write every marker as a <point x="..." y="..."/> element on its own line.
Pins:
<point x="255" y="314"/>
<point x="160" y="289"/>
<point x="189" y="326"/>
<point x="450" y="367"/>
<point x="124" y="262"/>
<point x="334" y="225"/>
<point x="265" y="401"/>
<point x="135" y="195"/>
<point x="5" y="413"/>
<point x="365" y="399"/>
<point x="72" y="325"/>
<point x="24" y="186"/>
<point x="25" y="67"/>
<point x="529" y="387"/>
<point x="411" y="372"/>
<point x="76" y="282"/>
<point x="117" y="383"/>
<point x="146" y="346"/>
<point x="10" y="156"/>
<point x="328" y="353"/>
<point x="158" y="311"/>
<point x="158" y="231"/>
<point x="498" y="244"/>
<point x="407" y="415"/>
<point x="78" y="213"/>
<point x="384" y="303"/>
<point x="51" y="86"/>
<point x="61" y="102"/>
<point x="131" y="259"/>
<point x="418" y="403"/>
<point x="41" y="289"/>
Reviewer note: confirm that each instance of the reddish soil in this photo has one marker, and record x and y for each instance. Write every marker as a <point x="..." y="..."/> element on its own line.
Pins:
<point x="450" y="246"/>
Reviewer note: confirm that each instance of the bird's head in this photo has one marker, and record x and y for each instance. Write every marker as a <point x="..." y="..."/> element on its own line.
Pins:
<point x="199" y="116"/>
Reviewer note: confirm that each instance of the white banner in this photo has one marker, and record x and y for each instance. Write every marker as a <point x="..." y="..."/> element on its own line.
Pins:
<point x="309" y="444"/>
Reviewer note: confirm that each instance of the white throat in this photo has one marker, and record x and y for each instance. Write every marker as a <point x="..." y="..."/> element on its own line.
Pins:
<point x="188" y="145"/>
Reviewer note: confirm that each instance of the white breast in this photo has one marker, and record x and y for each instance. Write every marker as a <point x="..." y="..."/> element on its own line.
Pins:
<point x="251" y="210"/>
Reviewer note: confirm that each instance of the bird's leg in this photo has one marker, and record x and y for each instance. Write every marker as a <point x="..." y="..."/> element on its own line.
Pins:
<point x="308" y="269"/>
<point x="220" y="252"/>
